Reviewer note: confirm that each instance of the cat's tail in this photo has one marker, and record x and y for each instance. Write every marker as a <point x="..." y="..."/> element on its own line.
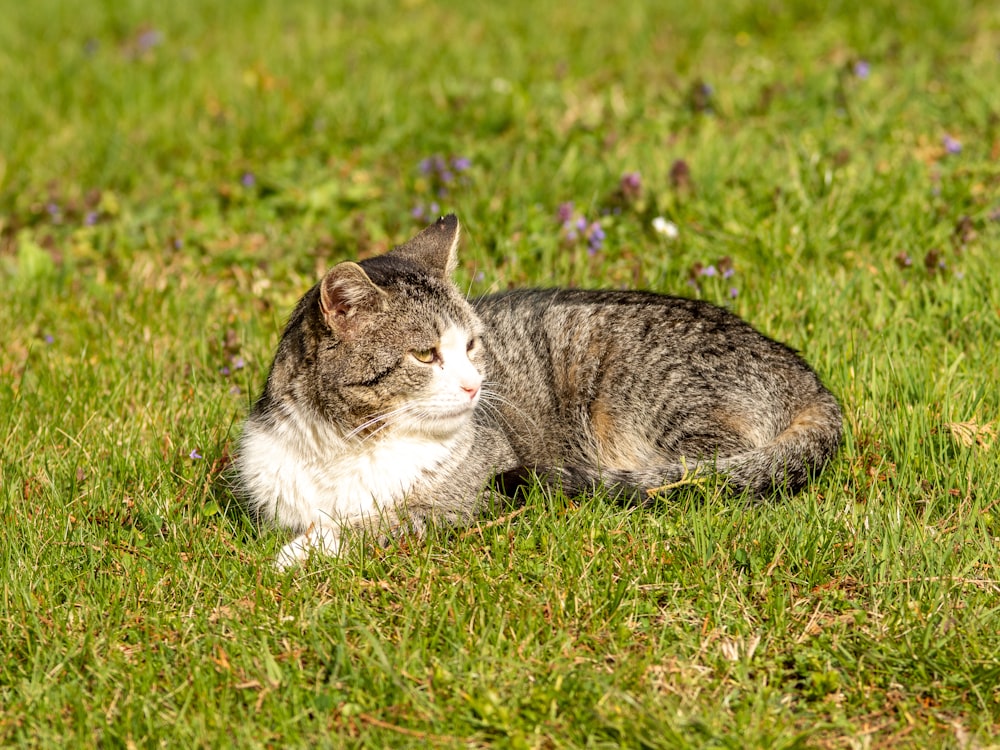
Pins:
<point x="785" y="464"/>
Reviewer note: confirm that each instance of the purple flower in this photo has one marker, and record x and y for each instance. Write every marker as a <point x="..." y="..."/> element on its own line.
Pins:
<point x="53" y="209"/>
<point x="708" y="271"/>
<point x="148" y="39"/>
<point x="432" y="165"/>
<point x="49" y="338"/>
<point x="632" y="180"/>
<point x="728" y="273"/>
<point x="441" y="172"/>
<point x="248" y="180"/>
<point x="421" y="212"/>
<point x="576" y="226"/>
<point x="235" y="390"/>
<point x="733" y="292"/>
<point x="862" y="69"/>
<point x="224" y="370"/>
<point x="595" y="237"/>
<point x="194" y="455"/>
<point x="631" y="185"/>
<point x="480" y="277"/>
<point x="951" y="145"/>
<point x="700" y="97"/>
<point x="90" y="218"/>
<point x="238" y="363"/>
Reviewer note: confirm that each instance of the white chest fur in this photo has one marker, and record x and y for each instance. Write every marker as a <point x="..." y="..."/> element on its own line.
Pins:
<point x="304" y="474"/>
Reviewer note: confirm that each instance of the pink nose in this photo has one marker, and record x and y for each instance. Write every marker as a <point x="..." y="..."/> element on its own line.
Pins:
<point x="470" y="384"/>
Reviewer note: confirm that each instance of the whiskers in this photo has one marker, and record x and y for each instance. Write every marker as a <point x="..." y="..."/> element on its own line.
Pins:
<point x="495" y="404"/>
<point x="426" y="416"/>
<point x="387" y="419"/>
<point x="416" y="416"/>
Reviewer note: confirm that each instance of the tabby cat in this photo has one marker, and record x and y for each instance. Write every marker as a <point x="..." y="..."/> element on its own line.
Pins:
<point x="393" y="401"/>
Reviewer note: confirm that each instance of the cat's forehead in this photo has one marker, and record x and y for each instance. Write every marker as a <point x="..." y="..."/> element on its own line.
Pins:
<point x="408" y="287"/>
<point x="418" y="302"/>
<point x="437" y="320"/>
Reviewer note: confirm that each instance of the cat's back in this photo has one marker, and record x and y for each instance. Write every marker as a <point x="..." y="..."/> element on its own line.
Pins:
<point x="529" y="306"/>
<point x="631" y="326"/>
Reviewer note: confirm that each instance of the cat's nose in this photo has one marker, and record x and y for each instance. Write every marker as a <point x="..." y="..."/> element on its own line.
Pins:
<point x="471" y="385"/>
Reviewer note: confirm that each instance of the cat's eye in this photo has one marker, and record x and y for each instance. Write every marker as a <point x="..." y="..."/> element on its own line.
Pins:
<point x="427" y="356"/>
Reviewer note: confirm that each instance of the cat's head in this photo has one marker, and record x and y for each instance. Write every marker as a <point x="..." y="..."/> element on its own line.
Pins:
<point x="397" y="345"/>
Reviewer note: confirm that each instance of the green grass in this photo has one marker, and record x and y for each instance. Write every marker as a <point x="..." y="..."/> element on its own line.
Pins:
<point x="135" y="265"/>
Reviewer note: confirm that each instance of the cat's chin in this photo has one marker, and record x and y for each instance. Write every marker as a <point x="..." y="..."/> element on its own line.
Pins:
<point x="445" y="424"/>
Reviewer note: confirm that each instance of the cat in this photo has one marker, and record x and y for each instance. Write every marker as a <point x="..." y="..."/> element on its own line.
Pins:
<point x="393" y="401"/>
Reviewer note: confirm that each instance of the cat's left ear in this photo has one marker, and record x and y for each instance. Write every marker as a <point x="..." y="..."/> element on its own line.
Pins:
<point x="435" y="248"/>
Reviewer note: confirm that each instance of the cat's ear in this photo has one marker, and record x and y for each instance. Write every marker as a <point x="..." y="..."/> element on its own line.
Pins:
<point x="344" y="293"/>
<point x="435" y="248"/>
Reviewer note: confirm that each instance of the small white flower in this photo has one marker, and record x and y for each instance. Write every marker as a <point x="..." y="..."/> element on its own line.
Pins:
<point x="667" y="228"/>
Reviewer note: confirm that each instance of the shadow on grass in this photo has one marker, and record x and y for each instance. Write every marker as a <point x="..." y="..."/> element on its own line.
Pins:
<point x="222" y="498"/>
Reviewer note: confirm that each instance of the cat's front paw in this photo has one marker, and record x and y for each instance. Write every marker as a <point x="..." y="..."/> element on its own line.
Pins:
<point x="322" y="541"/>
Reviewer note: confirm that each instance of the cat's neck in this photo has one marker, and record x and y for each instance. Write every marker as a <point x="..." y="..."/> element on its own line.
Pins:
<point x="309" y="432"/>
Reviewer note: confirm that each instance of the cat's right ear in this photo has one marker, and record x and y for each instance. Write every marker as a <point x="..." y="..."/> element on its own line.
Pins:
<point x="346" y="293"/>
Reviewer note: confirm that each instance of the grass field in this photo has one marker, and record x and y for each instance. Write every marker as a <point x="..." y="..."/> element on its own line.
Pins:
<point x="174" y="175"/>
